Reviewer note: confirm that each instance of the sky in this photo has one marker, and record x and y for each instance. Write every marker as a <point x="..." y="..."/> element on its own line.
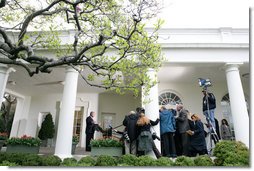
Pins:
<point x="205" y="13"/>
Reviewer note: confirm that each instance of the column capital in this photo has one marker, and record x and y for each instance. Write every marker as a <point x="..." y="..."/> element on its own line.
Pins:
<point x="232" y="66"/>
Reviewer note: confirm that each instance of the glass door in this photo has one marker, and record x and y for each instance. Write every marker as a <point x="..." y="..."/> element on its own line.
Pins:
<point x="77" y="126"/>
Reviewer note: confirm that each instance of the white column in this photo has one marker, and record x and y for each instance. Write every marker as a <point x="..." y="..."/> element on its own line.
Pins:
<point x="151" y="104"/>
<point x="237" y="104"/>
<point x="66" y="116"/>
<point x="4" y="74"/>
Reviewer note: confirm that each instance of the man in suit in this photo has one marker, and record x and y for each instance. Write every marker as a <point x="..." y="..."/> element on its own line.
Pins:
<point x="182" y="125"/>
<point x="90" y="128"/>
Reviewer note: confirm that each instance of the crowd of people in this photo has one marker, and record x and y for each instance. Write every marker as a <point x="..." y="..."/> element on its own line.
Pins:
<point x="181" y="133"/>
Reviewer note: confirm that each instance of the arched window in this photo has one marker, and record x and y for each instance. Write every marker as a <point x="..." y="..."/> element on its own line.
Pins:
<point x="169" y="99"/>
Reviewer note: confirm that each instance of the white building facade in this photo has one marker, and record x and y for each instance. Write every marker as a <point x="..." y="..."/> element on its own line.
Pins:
<point x="220" y="54"/>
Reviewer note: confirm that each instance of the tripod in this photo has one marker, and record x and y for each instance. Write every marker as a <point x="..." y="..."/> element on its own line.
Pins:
<point x="210" y="126"/>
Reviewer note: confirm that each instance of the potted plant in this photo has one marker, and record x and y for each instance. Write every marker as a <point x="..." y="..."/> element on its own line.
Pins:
<point x="75" y="141"/>
<point x="24" y="144"/>
<point x="3" y="137"/>
<point x="108" y="146"/>
<point x="47" y="130"/>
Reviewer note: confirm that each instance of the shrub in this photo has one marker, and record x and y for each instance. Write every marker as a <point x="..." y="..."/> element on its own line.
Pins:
<point x="51" y="160"/>
<point x="145" y="161"/>
<point x="14" y="157"/>
<point x="184" y="161"/>
<point x="31" y="160"/>
<point x="231" y="153"/>
<point x="87" y="161"/>
<point x="75" y="139"/>
<point x="108" y="142"/>
<point x="128" y="160"/>
<point x="164" y="161"/>
<point x="24" y="140"/>
<point x="69" y="162"/>
<point x="104" y="160"/>
<point x="203" y="160"/>
<point x="47" y="128"/>
<point x="7" y="163"/>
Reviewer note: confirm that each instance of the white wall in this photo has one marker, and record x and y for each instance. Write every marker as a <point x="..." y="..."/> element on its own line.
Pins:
<point x="47" y="103"/>
<point x="121" y="105"/>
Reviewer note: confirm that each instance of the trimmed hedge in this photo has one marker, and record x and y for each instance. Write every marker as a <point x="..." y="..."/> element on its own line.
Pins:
<point x="227" y="153"/>
<point x="231" y="153"/>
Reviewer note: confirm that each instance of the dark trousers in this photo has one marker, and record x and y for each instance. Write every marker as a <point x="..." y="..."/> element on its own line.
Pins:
<point x="193" y="152"/>
<point x="178" y="144"/>
<point x="168" y="144"/>
<point x="88" y="139"/>
<point x="185" y="143"/>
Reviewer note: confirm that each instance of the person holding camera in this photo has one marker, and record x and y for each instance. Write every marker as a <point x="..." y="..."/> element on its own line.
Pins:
<point x="145" y="138"/>
<point x="209" y="105"/>
<point x="130" y="135"/>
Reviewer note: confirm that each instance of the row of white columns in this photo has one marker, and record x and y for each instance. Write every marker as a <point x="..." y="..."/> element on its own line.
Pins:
<point x="67" y="108"/>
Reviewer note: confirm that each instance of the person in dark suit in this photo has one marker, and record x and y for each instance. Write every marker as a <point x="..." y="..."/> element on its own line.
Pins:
<point x="197" y="137"/>
<point x="182" y="125"/>
<point x="90" y="128"/>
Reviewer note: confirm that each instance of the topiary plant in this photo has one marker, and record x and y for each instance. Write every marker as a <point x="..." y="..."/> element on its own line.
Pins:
<point x="231" y="153"/>
<point x="164" y="161"/>
<point x="104" y="160"/>
<point x="87" y="161"/>
<point x="128" y="160"/>
<point x="69" y="162"/>
<point x="51" y="160"/>
<point x="47" y="128"/>
<point x="184" y="161"/>
<point x="203" y="160"/>
<point x="145" y="161"/>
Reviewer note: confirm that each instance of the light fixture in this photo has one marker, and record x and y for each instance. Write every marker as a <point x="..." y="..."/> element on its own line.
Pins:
<point x="204" y="82"/>
<point x="246" y="75"/>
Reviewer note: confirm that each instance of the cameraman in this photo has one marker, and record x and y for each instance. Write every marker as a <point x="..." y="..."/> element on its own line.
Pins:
<point x="209" y="105"/>
<point x="130" y="123"/>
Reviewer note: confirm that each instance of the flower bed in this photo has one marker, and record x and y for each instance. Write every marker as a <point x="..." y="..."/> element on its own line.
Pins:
<point x="24" y="144"/>
<point x="108" y="146"/>
<point x="24" y="140"/>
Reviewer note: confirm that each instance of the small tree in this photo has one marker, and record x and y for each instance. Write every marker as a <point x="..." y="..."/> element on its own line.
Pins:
<point x="47" y="128"/>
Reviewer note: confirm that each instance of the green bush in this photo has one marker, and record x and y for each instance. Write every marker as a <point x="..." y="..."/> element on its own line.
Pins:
<point x="104" y="160"/>
<point x="128" y="160"/>
<point x="87" y="161"/>
<point x="145" y="161"/>
<point x="47" y="128"/>
<point x="108" y="142"/>
<point x="184" y="161"/>
<point x="50" y="160"/>
<point x="13" y="157"/>
<point x="164" y="161"/>
<point x="231" y="153"/>
<point x="69" y="162"/>
<point x="7" y="163"/>
<point x="31" y="160"/>
<point x="203" y="160"/>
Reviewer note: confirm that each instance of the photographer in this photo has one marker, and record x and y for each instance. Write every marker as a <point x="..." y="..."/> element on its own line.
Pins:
<point x="209" y="105"/>
<point x="130" y="123"/>
<point x="145" y="138"/>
